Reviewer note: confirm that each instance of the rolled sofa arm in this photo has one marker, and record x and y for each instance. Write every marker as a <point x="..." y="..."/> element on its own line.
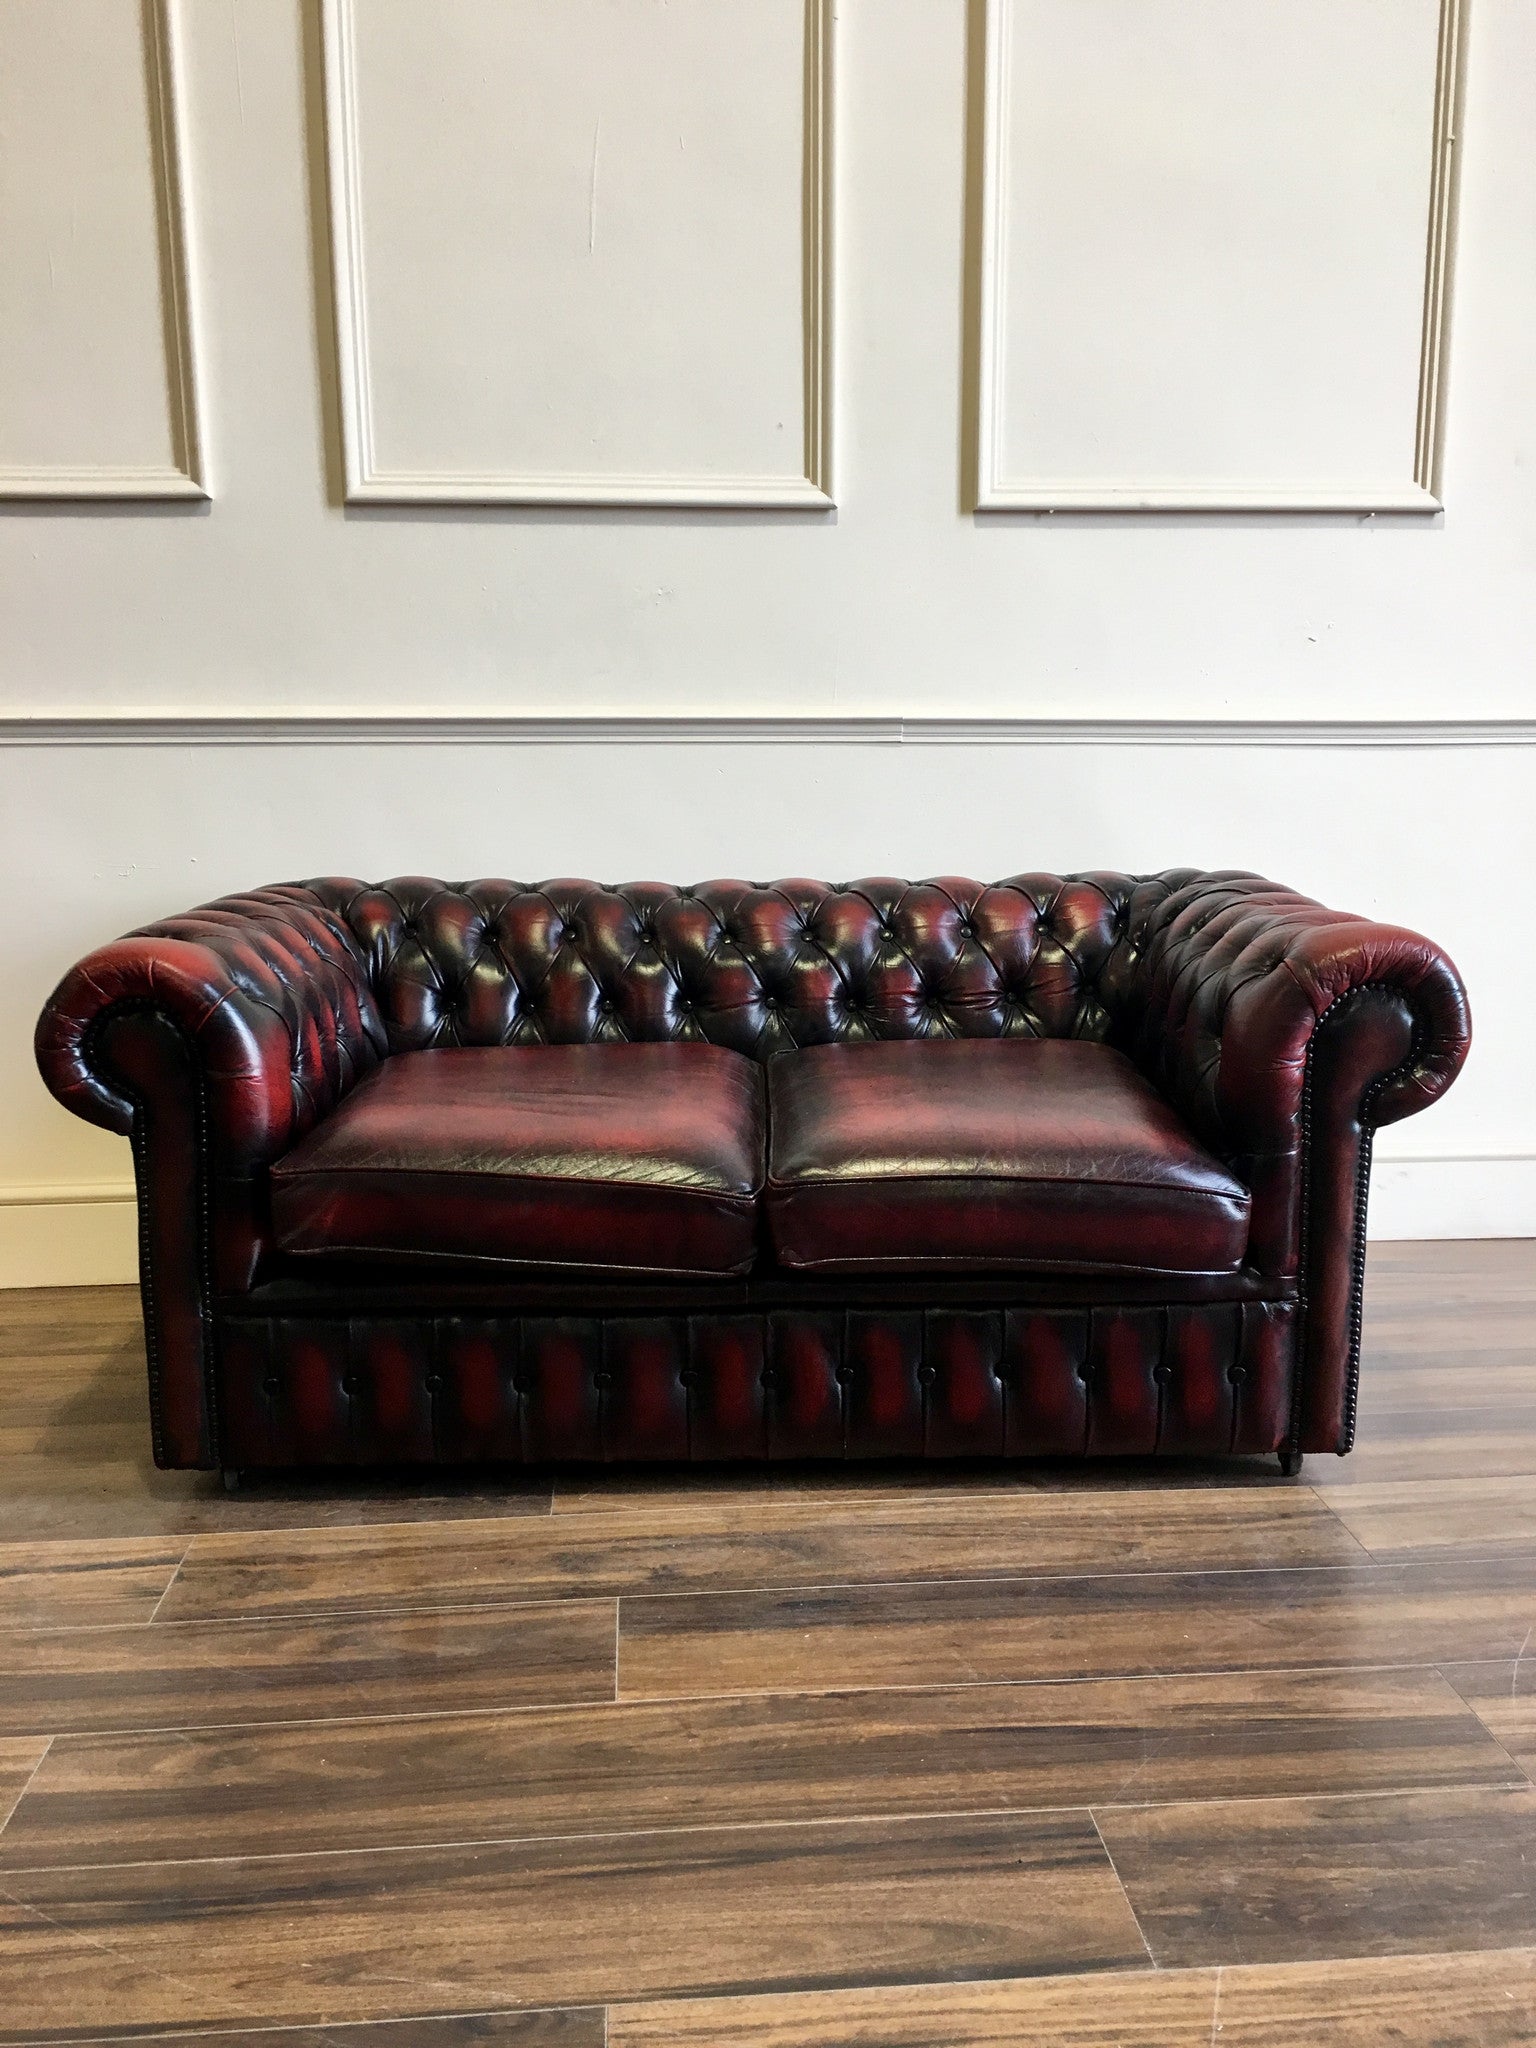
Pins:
<point x="1286" y="1034"/>
<point x="215" y="1040"/>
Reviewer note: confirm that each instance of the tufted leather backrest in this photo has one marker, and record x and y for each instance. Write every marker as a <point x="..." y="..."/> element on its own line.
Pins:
<point x="759" y="967"/>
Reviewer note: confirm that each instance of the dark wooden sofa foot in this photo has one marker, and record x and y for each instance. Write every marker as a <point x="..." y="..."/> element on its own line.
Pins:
<point x="1290" y="1463"/>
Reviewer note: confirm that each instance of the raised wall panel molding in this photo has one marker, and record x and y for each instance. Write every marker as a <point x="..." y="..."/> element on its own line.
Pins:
<point x="184" y="476"/>
<point x="422" y="727"/>
<point x="1000" y="489"/>
<point x="368" y="479"/>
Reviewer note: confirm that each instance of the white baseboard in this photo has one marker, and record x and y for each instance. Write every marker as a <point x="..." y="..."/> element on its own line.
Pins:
<point x="88" y="1236"/>
<point x="1470" y="1195"/>
<point x="84" y="1236"/>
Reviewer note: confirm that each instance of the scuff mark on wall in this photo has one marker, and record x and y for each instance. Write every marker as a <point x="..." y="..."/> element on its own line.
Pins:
<point x="597" y="136"/>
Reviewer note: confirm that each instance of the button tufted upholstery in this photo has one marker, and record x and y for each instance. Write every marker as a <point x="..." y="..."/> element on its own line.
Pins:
<point x="1045" y="1155"/>
<point x="634" y="1158"/>
<point x="272" y="994"/>
<point x="1280" y="1033"/>
<point x="756" y="967"/>
<point x="858" y="1383"/>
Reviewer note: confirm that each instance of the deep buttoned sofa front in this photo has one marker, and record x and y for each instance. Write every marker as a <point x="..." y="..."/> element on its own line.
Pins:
<point x="436" y="1172"/>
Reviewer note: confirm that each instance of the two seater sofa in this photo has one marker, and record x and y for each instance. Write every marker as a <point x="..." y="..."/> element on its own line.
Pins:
<point x="437" y="1173"/>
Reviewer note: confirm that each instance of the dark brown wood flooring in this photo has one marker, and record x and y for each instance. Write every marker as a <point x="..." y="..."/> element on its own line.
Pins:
<point x="1136" y="1754"/>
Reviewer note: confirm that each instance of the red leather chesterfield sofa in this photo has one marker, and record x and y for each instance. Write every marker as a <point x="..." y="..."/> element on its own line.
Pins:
<point x="436" y="1172"/>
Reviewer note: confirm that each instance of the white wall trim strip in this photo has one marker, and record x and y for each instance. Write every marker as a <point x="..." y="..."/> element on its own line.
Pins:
<point x="83" y="1242"/>
<point x="421" y="726"/>
<point x="1458" y="1195"/>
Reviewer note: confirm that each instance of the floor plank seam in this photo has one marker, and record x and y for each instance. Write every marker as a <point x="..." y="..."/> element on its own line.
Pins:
<point x="646" y="1701"/>
<point x="78" y="1937"/>
<point x="316" y="1616"/>
<point x="1110" y="1677"/>
<point x="326" y="1611"/>
<point x="340" y="1531"/>
<point x="1484" y="1723"/>
<point x="1518" y="1781"/>
<point x="825" y="1822"/>
<point x="27" y="1787"/>
<point x="1320" y="1495"/>
<point x="170" y="1582"/>
<point x="239" y="2029"/>
<point x="1120" y="1882"/>
<point x="131" y="1730"/>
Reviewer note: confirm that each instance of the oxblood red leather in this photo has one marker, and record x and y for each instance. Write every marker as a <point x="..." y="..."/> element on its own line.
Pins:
<point x="1031" y="1154"/>
<point x="722" y="1383"/>
<point x="628" y="1158"/>
<point x="1280" y="1033"/>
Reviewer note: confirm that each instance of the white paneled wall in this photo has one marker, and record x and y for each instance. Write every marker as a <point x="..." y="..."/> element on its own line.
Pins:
<point x="1213" y="252"/>
<point x="582" y="250"/>
<point x="97" y="366"/>
<point x="556" y="279"/>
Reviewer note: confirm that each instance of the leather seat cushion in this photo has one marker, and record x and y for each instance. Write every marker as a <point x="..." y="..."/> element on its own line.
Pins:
<point x="1026" y="1153"/>
<point x="616" y="1158"/>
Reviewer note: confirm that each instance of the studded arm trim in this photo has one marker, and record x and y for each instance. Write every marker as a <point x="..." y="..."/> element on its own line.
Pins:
<point x="215" y="1040"/>
<point x="270" y="992"/>
<point x="1287" y="1033"/>
<point x="1231" y="978"/>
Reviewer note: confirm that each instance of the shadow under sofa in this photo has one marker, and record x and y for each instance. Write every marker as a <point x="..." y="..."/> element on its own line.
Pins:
<point x="495" y="1172"/>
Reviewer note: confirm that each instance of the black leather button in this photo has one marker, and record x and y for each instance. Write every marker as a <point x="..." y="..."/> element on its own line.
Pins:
<point x="272" y="1384"/>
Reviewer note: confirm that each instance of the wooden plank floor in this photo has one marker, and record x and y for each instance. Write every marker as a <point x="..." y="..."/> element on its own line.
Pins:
<point x="1137" y="1754"/>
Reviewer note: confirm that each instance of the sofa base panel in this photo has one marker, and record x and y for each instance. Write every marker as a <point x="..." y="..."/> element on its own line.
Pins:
<point x="1207" y="1378"/>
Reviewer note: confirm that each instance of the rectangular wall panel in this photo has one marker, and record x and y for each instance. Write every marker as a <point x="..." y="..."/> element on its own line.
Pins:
<point x="1214" y="248"/>
<point x="582" y="250"/>
<point x="97" y="388"/>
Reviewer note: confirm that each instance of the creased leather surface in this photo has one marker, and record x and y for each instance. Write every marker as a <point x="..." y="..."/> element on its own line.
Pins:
<point x="1046" y="1154"/>
<point x="641" y="1158"/>
<point x="1214" y="984"/>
